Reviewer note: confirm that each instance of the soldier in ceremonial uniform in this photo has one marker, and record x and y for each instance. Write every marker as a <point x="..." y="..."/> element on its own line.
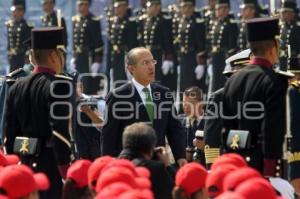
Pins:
<point x="18" y="30"/>
<point x="249" y="10"/>
<point x="254" y="102"/>
<point x="213" y="123"/>
<point x="141" y="10"/>
<point x="289" y="33"/>
<point x="154" y="32"/>
<point x="122" y="37"/>
<point x="223" y="42"/>
<point x="294" y="146"/>
<point x="54" y="18"/>
<point x="38" y="112"/>
<point x="87" y="45"/>
<point x="190" y="44"/>
<point x="208" y="13"/>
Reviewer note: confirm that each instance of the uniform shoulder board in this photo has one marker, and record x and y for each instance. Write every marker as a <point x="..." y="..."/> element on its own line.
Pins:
<point x="64" y="77"/>
<point x="285" y="73"/>
<point x="30" y="24"/>
<point x="233" y="21"/>
<point x="9" y="23"/>
<point x="295" y="84"/>
<point x="76" y="18"/>
<point x="96" y="18"/>
<point x="167" y="17"/>
<point x="14" y="73"/>
<point x="132" y="19"/>
<point x="199" y="20"/>
<point x="142" y="17"/>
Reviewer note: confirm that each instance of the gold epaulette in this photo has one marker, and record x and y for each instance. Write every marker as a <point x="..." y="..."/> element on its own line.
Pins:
<point x="76" y="18"/>
<point x="199" y="20"/>
<point x="295" y="84"/>
<point x="96" y="18"/>
<point x="294" y="157"/>
<point x="9" y="23"/>
<point x="211" y="154"/>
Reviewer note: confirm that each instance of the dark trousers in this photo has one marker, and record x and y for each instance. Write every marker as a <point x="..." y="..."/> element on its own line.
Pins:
<point x="90" y="84"/>
<point x="218" y="65"/>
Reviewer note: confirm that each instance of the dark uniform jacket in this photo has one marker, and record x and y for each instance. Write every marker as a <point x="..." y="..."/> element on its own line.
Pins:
<point x="289" y="35"/>
<point x="122" y="37"/>
<point x="126" y="103"/>
<point x="294" y="157"/>
<point x="223" y="44"/>
<point x="35" y="110"/>
<point x="254" y="100"/>
<point x="87" y="41"/>
<point x="17" y="33"/>
<point x="161" y="179"/>
<point x="156" y="34"/>
<point x="190" y="43"/>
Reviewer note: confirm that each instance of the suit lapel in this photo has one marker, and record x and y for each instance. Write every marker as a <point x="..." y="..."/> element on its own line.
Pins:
<point x="156" y="100"/>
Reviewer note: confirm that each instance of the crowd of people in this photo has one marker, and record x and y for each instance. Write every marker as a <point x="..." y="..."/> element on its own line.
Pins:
<point x="232" y="135"/>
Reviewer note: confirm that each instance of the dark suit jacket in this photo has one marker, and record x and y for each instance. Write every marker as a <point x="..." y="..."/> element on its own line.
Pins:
<point x="125" y="107"/>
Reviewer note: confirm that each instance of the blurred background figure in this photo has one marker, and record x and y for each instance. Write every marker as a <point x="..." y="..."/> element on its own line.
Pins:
<point x="18" y="30"/>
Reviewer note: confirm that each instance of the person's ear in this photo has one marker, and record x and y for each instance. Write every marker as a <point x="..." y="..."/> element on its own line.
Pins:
<point x="130" y="68"/>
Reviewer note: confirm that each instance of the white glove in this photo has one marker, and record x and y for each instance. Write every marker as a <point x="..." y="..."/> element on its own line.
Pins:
<point x="94" y="69"/>
<point x="167" y="66"/>
<point x="72" y="65"/>
<point x="199" y="71"/>
<point x="283" y="186"/>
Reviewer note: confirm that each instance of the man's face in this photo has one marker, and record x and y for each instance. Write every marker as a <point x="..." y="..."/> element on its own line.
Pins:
<point x="222" y="12"/>
<point x="48" y="7"/>
<point x="287" y="16"/>
<point x="121" y="10"/>
<point x="143" y="70"/>
<point x="153" y="9"/>
<point x="18" y="14"/>
<point x="192" y="107"/>
<point x="187" y="9"/>
<point x="248" y="12"/>
<point x="83" y="9"/>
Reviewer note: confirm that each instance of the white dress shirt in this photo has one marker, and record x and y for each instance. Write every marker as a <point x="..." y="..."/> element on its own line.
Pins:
<point x="139" y="87"/>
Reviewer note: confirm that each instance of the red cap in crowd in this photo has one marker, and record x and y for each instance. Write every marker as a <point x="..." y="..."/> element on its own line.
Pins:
<point x="78" y="172"/>
<point x="8" y="159"/>
<point x="257" y="188"/>
<point x="96" y="168"/>
<point x="214" y="180"/>
<point x="229" y="158"/>
<point x="230" y="195"/>
<point x="143" y="172"/>
<point x="121" y="163"/>
<point x="113" y="190"/>
<point x="137" y="194"/>
<point x="191" y="177"/>
<point x="116" y="174"/>
<point x="19" y="180"/>
<point x="233" y="179"/>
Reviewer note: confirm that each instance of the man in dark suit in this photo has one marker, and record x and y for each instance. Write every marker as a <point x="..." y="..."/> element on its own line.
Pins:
<point x="139" y="142"/>
<point x="142" y="100"/>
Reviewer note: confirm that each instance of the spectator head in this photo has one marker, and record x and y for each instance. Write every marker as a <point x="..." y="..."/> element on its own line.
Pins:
<point x="214" y="180"/>
<point x="257" y="188"/>
<point x="192" y="102"/>
<point x="19" y="181"/>
<point x="233" y="179"/>
<point x="76" y="185"/>
<point x="96" y="168"/>
<point x="190" y="182"/>
<point x="140" y="138"/>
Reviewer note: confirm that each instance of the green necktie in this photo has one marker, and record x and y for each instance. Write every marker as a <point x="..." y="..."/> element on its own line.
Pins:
<point x="149" y="104"/>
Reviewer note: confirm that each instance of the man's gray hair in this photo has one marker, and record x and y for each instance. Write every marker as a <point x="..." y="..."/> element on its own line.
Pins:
<point x="130" y="58"/>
